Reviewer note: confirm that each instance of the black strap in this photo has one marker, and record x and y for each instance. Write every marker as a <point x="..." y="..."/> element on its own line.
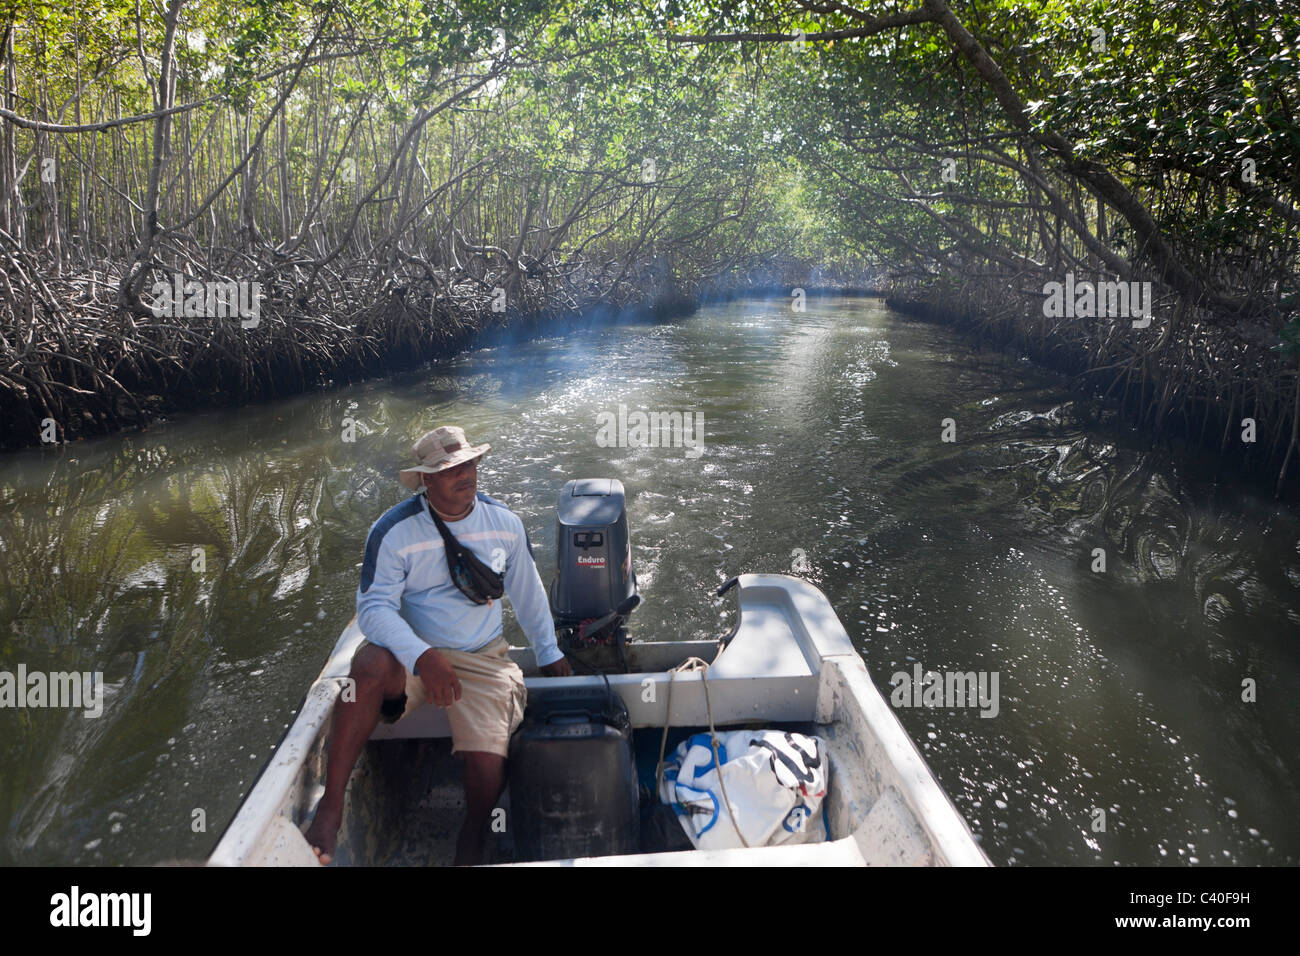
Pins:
<point x="454" y="547"/>
<point x="487" y="582"/>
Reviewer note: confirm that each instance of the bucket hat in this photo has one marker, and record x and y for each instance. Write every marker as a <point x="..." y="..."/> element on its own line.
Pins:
<point x="444" y="447"/>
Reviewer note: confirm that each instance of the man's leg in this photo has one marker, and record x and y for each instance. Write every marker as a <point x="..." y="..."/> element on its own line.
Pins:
<point x="485" y="780"/>
<point x="378" y="675"/>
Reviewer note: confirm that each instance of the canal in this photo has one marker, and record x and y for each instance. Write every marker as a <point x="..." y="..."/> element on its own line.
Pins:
<point x="1141" y="620"/>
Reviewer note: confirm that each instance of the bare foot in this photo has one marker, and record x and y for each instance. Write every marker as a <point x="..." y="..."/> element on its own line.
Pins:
<point x="324" y="831"/>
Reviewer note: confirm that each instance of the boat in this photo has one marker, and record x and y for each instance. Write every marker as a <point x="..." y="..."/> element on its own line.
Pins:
<point x="788" y="664"/>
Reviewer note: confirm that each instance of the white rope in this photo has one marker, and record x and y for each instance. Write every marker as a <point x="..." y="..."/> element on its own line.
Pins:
<point x="690" y="666"/>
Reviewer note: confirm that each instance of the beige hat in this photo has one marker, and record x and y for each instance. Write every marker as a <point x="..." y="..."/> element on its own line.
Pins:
<point x="444" y="447"/>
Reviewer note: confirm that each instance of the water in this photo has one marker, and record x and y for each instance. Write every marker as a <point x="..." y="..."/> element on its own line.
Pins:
<point x="207" y="567"/>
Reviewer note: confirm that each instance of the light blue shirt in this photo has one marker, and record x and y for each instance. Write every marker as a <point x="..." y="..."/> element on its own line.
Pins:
<point x="408" y="603"/>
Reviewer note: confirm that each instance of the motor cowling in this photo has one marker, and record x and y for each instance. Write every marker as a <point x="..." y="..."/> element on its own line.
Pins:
<point x="593" y="557"/>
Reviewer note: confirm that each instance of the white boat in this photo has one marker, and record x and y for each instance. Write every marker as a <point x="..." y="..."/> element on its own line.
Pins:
<point x="788" y="664"/>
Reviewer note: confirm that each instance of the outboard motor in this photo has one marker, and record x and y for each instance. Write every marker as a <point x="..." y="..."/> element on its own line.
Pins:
<point x="573" y="781"/>
<point x="594" y="588"/>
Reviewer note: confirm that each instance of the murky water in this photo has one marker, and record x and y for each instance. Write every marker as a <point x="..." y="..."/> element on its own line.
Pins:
<point x="207" y="567"/>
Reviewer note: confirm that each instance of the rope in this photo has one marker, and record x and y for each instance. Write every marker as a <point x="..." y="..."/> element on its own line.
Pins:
<point x="690" y="666"/>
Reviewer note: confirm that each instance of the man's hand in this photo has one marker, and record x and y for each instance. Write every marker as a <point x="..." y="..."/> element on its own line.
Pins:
<point x="561" y="668"/>
<point x="440" y="680"/>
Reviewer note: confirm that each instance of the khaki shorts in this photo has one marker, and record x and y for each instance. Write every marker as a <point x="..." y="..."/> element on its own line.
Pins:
<point x="491" y="705"/>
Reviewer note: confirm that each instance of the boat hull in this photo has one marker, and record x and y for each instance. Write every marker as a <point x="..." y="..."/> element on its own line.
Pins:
<point x="788" y="663"/>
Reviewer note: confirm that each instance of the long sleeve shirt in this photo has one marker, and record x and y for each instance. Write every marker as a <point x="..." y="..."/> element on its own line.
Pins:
<point x="408" y="603"/>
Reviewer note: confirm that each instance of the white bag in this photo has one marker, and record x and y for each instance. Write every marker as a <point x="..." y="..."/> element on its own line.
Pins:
<point x="775" y="783"/>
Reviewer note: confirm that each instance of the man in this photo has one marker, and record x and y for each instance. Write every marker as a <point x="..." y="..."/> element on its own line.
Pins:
<point x="428" y="641"/>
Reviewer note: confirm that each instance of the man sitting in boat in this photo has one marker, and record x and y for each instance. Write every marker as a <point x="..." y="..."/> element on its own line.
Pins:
<point x="435" y="566"/>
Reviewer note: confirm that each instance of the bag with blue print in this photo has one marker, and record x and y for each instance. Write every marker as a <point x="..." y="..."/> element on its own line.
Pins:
<point x="774" y="781"/>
